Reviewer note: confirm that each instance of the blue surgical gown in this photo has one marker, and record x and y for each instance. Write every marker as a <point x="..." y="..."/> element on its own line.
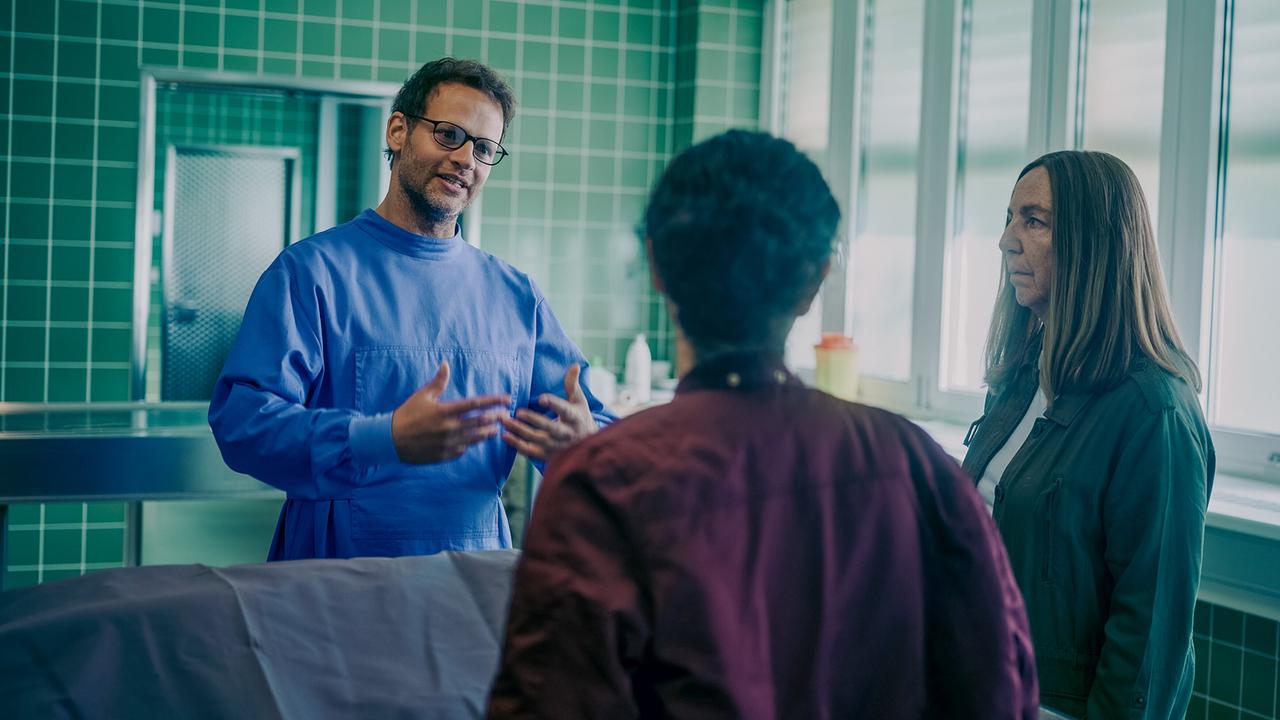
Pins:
<point x="341" y="329"/>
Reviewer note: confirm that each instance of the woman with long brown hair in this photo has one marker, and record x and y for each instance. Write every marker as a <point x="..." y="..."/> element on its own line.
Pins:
<point x="1092" y="451"/>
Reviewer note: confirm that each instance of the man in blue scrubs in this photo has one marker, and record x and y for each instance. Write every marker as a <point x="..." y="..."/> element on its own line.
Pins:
<point x="378" y="359"/>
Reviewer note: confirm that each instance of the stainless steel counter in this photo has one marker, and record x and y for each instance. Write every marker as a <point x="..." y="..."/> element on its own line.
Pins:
<point x="112" y="452"/>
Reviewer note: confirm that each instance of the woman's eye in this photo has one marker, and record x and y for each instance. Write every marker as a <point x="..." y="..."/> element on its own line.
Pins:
<point x="1035" y="222"/>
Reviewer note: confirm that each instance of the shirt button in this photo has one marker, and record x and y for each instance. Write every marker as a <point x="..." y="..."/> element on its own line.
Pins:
<point x="733" y="379"/>
<point x="780" y="376"/>
<point x="999" y="493"/>
<point x="1140" y="700"/>
<point x="1037" y="429"/>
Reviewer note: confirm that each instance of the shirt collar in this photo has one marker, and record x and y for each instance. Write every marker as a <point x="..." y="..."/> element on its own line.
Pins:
<point x="737" y="371"/>
<point x="409" y="243"/>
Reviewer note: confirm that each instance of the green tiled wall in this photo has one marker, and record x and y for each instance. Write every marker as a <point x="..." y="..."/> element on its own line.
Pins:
<point x="1236" y="665"/>
<point x="599" y="86"/>
<point x="718" y="67"/>
<point x="55" y="541"/>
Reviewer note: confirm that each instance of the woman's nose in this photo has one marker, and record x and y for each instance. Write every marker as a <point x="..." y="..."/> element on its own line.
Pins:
<point x="1008" y="243"/>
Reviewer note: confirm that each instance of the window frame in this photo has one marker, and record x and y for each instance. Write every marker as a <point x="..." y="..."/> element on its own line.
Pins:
<point x="1195" y="116"/>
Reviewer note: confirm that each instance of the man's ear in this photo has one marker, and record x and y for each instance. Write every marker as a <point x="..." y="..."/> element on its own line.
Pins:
<point x="653" y="272"/>
<point x="397" y="129"/>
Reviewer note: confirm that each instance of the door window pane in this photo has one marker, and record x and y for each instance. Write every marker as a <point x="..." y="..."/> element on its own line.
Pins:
<point x="1124" y="86"/>
<point x="882" y="256"/>
<point x="995" y="85"/>
<point x="1244" y="385"/>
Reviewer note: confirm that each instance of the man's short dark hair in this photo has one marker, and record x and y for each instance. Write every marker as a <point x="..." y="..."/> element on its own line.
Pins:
<point x="741" y="227"/>
<point x="413" y="95"/>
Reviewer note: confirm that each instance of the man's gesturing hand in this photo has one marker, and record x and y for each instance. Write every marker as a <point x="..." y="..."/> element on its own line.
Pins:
<point x="426" y="430"/>
<point x="540" y="437"/>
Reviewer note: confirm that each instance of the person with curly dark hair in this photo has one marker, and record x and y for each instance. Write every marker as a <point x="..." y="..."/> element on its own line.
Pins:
<point x="758" y="548"/>
<point x="378" y="360"/>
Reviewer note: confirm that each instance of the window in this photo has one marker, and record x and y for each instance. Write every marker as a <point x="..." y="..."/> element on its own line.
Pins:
<point x="808" y="75"/>
<point x="948" y="100"/>
<point x="1244" y="387"/>
<point x="1124" y="87"/>
<point x="995" y="83"/>
<point x="882" y="254"/>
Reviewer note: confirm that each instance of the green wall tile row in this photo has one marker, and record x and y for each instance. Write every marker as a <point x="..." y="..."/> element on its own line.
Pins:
<point x="1237" y="668"/>
<point x="599" y="86"/>
<point x="55" y="541"/>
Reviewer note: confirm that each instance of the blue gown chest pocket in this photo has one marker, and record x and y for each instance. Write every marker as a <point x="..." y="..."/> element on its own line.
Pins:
<point x="387" y="376"/>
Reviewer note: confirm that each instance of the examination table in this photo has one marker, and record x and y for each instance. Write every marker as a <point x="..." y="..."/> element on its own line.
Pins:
<point x="414" y="637"/>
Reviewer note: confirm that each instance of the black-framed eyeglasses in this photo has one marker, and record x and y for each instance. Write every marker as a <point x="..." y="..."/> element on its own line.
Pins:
<point x="452" y="137"/>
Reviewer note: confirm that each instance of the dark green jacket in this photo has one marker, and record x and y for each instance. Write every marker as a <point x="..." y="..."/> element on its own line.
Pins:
<point x="1102" y="512"/>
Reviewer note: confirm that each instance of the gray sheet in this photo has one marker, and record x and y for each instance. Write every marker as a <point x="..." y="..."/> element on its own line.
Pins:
<point x="364" y="638"/>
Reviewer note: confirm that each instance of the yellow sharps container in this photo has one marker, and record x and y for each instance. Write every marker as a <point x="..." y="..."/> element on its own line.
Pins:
<point x="837" y="369"/>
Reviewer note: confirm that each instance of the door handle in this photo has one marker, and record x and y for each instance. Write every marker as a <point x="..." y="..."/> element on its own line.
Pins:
<point x="184" y="313"/>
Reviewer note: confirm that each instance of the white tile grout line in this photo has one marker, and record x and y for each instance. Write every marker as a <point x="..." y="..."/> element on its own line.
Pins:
<point x="377" y="38"/>
<point x="262" y="36"/>
<point x="309" y="57"/>
<point x="94" y="525"/>
<point x="53" y="153"/>
<point x="8" y="184"/>
<point x="84" y="527"/>
<point x="337" y="39"/>
<point x="448" y="22"/>
<point x="182" y="32"/>
<point x="588" y="33"/>
<point x="93" y="215"/>
<point x="222" y="33"/>
<point x="40" y="548"/>
<point x="67" y="566"/>
<point x="297" y="49"/>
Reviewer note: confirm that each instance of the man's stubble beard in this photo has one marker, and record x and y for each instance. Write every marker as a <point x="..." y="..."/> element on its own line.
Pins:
<point x="428" y="211"/>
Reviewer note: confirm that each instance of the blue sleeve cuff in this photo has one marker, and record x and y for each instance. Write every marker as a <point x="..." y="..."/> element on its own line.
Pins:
<point x="371" y="441"/>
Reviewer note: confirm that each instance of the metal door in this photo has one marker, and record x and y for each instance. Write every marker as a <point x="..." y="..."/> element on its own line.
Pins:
<point x="228" y="211"/>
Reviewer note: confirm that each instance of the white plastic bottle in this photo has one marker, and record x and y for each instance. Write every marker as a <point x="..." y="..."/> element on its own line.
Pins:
<point x="638" y="373"/>
<point x="603" y="383"/>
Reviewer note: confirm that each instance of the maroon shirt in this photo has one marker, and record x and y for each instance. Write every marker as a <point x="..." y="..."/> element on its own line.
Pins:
<point x="759" y="549"/>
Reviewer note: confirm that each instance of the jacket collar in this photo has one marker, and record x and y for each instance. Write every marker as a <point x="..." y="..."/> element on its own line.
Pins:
<point x="1065" y="408"/>
<point x="737" y="371"/>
